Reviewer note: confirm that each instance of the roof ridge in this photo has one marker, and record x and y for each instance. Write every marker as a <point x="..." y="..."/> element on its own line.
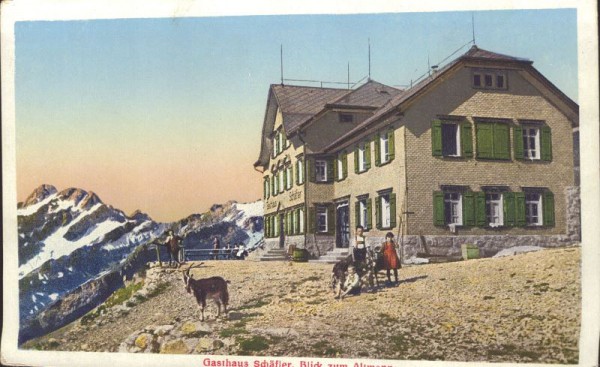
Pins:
<point x="305" y="86"/>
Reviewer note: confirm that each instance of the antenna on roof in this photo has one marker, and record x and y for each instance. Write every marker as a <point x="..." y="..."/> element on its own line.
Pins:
<point x="428" y="66"/>
<point x="473" y="26"/>
<point x="369" y="59"/>
<point x="281" y="62"/>
<point x="348" y="74"/>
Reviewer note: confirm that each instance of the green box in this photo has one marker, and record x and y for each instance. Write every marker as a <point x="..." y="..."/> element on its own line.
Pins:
<point x="470" y="251"/>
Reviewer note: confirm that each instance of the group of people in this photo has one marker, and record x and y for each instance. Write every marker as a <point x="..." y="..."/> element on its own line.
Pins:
<point x="391" y="262"/>
<point x="236" y="252"/>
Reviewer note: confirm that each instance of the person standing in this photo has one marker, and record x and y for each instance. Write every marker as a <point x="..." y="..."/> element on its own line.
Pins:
<point x="390" y="258"/>
<point x="216" y="246"/>
<point x="359" y="251"/>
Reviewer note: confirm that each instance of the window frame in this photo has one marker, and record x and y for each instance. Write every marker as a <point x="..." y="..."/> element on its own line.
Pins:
<point x="384" y="148"/>
<point x="457" y="139"/>
<point x="300" y="169"/>
<point x="362" y="157"/>
<point x="494" y="76"/>
<point x="499" y="202"/>
<point x="321" y="212"/>
<point x="345" y="117"/>
<point x="321" y="176"/>
<point x="289" y="177"/>
<point x="459" y="205"/>
<point x="526" y="128"/>
<point x="540" y="210"/>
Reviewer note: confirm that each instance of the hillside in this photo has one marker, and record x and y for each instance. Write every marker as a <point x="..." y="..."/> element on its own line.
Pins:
<point x="523" y="308"/>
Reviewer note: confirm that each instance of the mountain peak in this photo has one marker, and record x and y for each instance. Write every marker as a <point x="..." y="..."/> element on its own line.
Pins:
<point x="139" y="215"/>
<point x="39" y="194"/>
<point x="87" y="199"/>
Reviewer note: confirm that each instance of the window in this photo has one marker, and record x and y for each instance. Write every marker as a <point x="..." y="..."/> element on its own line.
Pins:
<point x="341" y="166"/>
<point x="300" y="171"/>
<point x="275" y="184"/>
<point x="362" y="157"/>
<point x="385" y="210"/>
<point x="275" y="225"/>
<point x="489" y="79"/>
<point x="346" y="117"/>
<point x="451" y="139"/>
<point x="266" y="187"/>
<point x="363" y="212"/>
<point x="281" y="187"/>
<point x="453" y="208"/>
<point x="299" y="222"/>
<point x="322" y="219"/>
<point x="533" y="209"/>
<point x="494" y="209"/>
<point x="477" y="80"/>
<point x="289" y="177"/>
<point x="493" y="140"/>
<point x="321" y="171"/>
<point x="533" y="141"/>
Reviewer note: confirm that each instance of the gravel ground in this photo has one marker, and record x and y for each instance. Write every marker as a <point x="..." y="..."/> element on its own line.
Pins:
<point x="522" y="308"/>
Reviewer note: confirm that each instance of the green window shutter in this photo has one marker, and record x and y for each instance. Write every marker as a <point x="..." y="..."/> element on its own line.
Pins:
<point x="356" y="214"/>
<point x="330" y="219"/>
<point x="310" y="167"/>
<point x="466" y="140"/>
<point x="546" y="143"/>
<point x="484" y="137"/>
<point x="285" y="171"/>
<point x="548" y="208"/>
<point x="273" y="192"/>
<point x="266" y="225"/>
<point x="335" y="168"/>
<point x="297" y="168"/>
<point x="436" y="138"/>
<point x="291" y="173"/>
<point x="369" y="214"/>
<point x="509" y="208"/>
<point x="330" y="170"/>
<point x="468" y="210"/>
<point x="501" y="141"/>
<point x="518" y="142"/>
<point x="345" y="165"/>
<point x="391" y="145"/>
<point x="368" y="155"/>
<point x="377" y="141"/>
<point x="312" y="219"/>
<point x="378" y="212"/>
<point x="480" y="216"/>
<point x="392" y="210"/>
<point x="439" y="219"/>
<point x="520" y="209"/>
<point x="298" y="221"/>
<point x="356" y="160"/>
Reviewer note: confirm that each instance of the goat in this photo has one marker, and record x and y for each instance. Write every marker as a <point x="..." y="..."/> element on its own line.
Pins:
<point x="214" y="287"/>
<point x="338" y="274"/>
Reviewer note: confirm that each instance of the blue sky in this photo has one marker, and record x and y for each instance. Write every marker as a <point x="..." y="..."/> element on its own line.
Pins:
<point x="165" y="115"/>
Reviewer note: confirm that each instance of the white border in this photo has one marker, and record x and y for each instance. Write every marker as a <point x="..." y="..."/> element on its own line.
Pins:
<point x="18" y="10"/>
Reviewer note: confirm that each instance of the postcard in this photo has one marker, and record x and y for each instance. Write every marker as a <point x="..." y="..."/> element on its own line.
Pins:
<point x="200" y="183"/>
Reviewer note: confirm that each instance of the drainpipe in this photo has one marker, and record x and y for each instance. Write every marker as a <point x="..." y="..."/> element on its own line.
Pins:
<point x="305" y="187"/>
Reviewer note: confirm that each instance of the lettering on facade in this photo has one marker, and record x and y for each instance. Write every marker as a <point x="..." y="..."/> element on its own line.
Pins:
<point x="271" y="204"/>
<point x="295" y="194"/>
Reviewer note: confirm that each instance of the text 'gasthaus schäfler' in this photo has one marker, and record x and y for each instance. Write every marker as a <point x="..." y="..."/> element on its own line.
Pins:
<point x="226" y="362"/>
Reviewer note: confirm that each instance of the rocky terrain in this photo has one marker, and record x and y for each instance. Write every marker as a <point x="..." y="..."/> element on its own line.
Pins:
<point x="522" y="308"/>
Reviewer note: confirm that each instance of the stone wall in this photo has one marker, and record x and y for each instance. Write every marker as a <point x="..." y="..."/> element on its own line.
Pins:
<point x="317" y="245"/>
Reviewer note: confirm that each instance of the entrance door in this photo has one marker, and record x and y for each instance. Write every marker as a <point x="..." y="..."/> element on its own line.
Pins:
<point x="342" y="233"/>
<point x="281" y="234"/>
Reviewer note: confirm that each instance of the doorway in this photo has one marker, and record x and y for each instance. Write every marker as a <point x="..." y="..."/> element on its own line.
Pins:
<point x="342" y="233"/>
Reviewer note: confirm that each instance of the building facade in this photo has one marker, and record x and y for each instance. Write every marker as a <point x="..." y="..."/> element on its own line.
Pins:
<point x="480" y="152"/>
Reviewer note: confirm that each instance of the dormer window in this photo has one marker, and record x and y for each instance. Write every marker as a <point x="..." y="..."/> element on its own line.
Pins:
<point x="346" y="117"/>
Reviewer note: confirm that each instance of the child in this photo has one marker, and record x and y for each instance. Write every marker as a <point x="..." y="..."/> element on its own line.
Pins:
<point x="390" y="258"/>
<point x="352" y="284"/>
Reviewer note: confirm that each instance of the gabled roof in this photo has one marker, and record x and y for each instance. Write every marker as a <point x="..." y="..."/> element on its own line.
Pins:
<point x="369" y="95"/>
<point x="473" y="55"/>
<point x="298" y="103"/>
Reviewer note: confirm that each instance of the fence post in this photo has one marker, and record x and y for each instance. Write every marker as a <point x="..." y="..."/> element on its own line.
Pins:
<point x="158" y="256"/>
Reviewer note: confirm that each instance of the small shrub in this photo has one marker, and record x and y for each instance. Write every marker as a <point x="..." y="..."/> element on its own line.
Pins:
<point x="226" y="333"/>
<point x="256" y="343"/>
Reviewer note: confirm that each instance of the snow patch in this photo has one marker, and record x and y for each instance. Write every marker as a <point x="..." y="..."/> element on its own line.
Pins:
<point x="56" y="245"/>
<point x="517" y="250"/>
<point x="53" y="296"/>
<point x="60" y="274"/>
<point x="34" y="208"/>
<point x="33" y="298"/>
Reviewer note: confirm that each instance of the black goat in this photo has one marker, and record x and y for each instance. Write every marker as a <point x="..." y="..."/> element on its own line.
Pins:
<point x="214" y="287"/>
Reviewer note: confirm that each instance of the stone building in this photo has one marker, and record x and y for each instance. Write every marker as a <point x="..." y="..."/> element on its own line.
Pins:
<point x="479" y="152"/>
